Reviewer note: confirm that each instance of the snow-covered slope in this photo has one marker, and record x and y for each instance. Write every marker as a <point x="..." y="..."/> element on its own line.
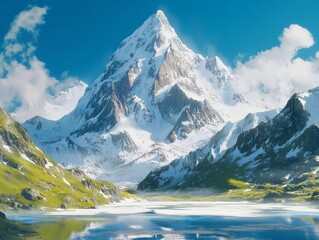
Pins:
<point x="156" y="101"/>
<point x="172" y="176"/>
<point x="285" y="147"/>
<point x="63" y="102"/>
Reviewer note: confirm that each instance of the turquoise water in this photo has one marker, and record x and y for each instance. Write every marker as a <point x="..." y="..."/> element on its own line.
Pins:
<point x="155" y="226"/>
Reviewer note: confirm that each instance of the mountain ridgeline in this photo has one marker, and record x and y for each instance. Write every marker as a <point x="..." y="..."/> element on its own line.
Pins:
<point x="162" y="111"/>
<point x="156" y="101"/>
<point x="283" y="149"/>
<point x="30" y="179"/>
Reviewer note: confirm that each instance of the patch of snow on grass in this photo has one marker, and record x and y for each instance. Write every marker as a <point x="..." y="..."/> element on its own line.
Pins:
<point x="25" y="157"/>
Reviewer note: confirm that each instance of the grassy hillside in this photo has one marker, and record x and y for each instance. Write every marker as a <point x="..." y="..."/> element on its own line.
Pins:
<point x="12" y="230"/>
<point x="29" y="178"/>
<point x="306" y="190"/>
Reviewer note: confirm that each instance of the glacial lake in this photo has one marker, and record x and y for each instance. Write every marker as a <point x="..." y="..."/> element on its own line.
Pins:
<point x="179" y="220"/>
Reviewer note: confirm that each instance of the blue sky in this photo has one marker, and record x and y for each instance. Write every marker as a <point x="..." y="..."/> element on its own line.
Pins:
<point x="49" y="44"/>
<point x="79" y="36"/>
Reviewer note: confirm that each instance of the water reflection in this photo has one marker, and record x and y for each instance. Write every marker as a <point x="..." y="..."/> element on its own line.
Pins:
<point x="152" y="226"/>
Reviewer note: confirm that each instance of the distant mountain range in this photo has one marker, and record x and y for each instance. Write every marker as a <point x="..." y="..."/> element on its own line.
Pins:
<point x="283" y="148"/>
<point x="158" y="101"/>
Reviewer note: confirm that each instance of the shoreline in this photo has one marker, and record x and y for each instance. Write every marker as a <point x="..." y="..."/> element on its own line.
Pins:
<point x="182" y="208"/>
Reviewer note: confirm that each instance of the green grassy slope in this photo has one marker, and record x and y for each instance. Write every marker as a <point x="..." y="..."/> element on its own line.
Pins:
<point x="12" y="230"/>
<point x="24" y="166"/>
<point x="306" y="190"/>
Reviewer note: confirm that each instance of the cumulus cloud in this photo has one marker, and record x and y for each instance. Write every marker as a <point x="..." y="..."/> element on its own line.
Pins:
<point x="27" y="20"/>
<point x="296" y="37"/>
<point x="25" y="82"/>
<point x="272" y="76"/>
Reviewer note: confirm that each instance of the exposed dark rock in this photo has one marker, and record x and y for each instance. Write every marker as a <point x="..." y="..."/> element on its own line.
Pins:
<point x="88" y="183"/>
<point x="31" y="194"/>
<point x="64" y="206"/>
<point x="13" y="165"/>
<point x="15" y="204"/>
<point x="315" y="195"/>
<point x="195" y="116"/>
<point x="26" y="207"/>
<point x="77" y="172"/>
<point x="2" y="215"/>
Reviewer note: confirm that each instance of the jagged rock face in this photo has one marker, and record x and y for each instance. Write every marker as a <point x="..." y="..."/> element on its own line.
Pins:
<point x="197" y="115"/>
<point x="124" y="141"/>
<point x="285" y="147"/>
<point x="176" y="174"/>
<point x="106" y="108"/>
<point x="290" y="121"/>
<point x="175" y="67"/>
<point x="14" y="137"/>
<point x="156" y="95"/>
<point x="193" y="114"/>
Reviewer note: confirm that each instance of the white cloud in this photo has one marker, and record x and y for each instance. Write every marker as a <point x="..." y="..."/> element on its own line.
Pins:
<point x="28" y="85"/>
<point x="272" y="76"/>
<point x="24" y="79"/>
<point x="12" y="49"/>
<point x="27" y="20"/>
<point x="296" y="37"/>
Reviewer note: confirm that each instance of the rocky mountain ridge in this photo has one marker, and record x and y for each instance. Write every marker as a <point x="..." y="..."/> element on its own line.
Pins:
<point x="284" y="148"/>
<point x="156" y="101"/>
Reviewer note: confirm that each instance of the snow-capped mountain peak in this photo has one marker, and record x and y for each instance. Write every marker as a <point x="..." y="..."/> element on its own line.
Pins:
<point x="155" y="101"/>
<point x="155" y="46"/>
<point x="154" y="35"/>
<point x="218" y="65"/>
<point x="64" y="101"/>
<point x="159" y="22"/>
<point x="220" y="70"/>
<point x="71" y="94"/>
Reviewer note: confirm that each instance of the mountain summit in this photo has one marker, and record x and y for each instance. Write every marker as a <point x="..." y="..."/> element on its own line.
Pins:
<point x="155" y="101"/>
